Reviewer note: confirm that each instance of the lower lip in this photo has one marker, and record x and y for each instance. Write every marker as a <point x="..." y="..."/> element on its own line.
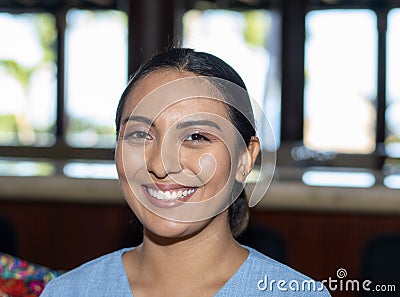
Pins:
<point x="164" y="203"/>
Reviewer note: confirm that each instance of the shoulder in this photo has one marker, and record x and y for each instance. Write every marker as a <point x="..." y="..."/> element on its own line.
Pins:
<point x="103" y="276"/>
<point x="261" y="275"/>
<point x="260" y="263"/>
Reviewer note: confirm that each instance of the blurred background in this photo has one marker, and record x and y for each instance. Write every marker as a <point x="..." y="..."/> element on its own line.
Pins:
<point x="325" y="72"/>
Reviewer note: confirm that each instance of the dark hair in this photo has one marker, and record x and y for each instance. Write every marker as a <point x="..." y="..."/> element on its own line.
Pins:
<point x="203" y="64"/>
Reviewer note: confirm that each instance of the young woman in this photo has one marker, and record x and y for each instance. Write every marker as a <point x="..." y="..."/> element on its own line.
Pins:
<point x="186" y="143"/>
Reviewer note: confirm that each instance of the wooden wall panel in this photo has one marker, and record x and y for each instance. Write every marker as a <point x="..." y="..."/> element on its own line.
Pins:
<point x="320" y="244"/>
<point x="64" y="235"/>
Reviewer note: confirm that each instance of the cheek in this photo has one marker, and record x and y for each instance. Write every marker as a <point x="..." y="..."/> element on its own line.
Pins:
<point x="224" y="167"/>
<point x="129" y="161"/>
<point x="118" y="160"/>
<point x="208" y="165"/>
<point x="204" y="166"/>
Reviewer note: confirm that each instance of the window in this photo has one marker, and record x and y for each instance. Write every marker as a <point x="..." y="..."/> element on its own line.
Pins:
<point x="340" y="81"/>
<point x="392" y="112"/>
<point x="348" y="102"/>
<point x="62" y="72"/>
<point x="351" y="95"/>
<point x="27" y="79"/>
<point x="96" y="74"/>
<point x="392" y="139"/>
<point x="59" y="102"/>
<point x="232" y="35"/>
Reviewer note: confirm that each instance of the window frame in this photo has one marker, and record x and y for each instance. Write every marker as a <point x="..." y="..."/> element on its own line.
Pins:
<point x="293" y="14"/>
<point x="376" y="159"/>
<point x="292" y="90"/>
<point x="60" y="150"/>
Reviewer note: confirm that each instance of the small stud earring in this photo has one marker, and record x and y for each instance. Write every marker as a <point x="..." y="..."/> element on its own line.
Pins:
<point x="244" y="173"/>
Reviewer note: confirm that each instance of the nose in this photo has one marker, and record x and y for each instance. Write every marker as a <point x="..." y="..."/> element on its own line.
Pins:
<point x="163" y="159"/>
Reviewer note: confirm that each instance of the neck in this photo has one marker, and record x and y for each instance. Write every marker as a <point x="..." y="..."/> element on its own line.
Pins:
<point x="168" y="259"/>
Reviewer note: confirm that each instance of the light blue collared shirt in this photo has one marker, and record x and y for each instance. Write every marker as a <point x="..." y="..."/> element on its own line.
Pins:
<point x="258" y="276"/>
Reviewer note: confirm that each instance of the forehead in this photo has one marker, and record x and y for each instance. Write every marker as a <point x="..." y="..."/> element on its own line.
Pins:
<point x="167" y="91"/>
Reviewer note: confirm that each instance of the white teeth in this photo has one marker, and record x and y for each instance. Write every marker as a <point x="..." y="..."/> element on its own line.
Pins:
<point x="150" y="191"/>
<point x="169" y="195"/>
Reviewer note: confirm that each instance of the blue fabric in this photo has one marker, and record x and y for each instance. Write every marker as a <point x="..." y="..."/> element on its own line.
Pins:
<point x="259" y="275"/>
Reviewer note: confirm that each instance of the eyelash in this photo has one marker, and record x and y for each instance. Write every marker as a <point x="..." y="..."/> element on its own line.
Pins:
<point x="202" y="137"/>
<point x="135" y="135"/>
<point x="140" y="135"/>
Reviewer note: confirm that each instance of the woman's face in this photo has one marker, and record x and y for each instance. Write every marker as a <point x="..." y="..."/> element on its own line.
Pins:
<point x="177" y="157"/>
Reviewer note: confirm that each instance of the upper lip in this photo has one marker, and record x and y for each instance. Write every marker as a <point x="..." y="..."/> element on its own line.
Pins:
<point x="167" y="187"/>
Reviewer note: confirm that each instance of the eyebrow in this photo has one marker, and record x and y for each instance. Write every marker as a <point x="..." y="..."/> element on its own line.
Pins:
<point x="197" y="123"/>
<point x="181" y="125"/>
<point x="138" y="119"/>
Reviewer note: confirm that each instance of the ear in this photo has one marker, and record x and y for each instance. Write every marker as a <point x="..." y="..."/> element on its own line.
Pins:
<point x="247" y="159"/>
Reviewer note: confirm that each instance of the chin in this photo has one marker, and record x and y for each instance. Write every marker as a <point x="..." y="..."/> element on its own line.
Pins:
<point x="165" y="229"/>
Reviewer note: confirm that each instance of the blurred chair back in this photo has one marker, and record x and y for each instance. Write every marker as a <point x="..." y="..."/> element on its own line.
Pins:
<point x="380" y="263"/>
<point x="266" y="241"/>
<point x="8" y="236"/>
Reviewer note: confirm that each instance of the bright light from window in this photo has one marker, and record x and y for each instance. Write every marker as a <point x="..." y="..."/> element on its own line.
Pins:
<point x="27" y="79"/>
<point x="392" y="149"/>
<point x="96" y="74"/>
<point x="392" y="181"/>
<point x="25" y="168"/>
<point x="340" y="81"/>
<point x="392" y="140"/>
<point x="338" y="179"/>
<point x="91" y="170"/>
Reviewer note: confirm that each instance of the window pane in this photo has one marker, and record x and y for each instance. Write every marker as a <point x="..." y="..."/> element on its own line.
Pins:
<point x="96" y="73"/>
<point x="248" y="41"/>
<point x="340" y="81"/>
<point x="393" y="86"/>
<point x="26" y="168"/>
<point x="103" y="170"/>
<point x="27" y="79"/>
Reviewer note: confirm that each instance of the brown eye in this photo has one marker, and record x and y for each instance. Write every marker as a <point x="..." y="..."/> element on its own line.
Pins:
<point x="141" y="134"/>
<point x="138" y="136"/>
<point x="196" y="137"/>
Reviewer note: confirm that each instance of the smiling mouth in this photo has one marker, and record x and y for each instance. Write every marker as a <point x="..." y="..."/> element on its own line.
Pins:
<point x="170" y="195"/>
